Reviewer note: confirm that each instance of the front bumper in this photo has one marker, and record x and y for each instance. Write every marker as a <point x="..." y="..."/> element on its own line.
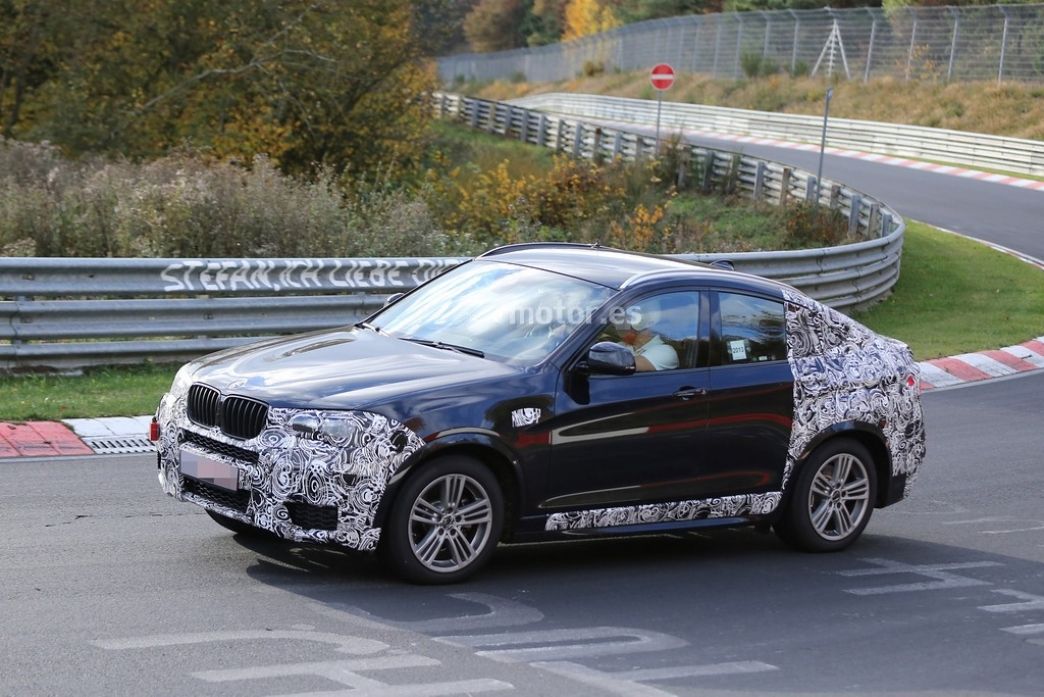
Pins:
<point x="300" y="489"/>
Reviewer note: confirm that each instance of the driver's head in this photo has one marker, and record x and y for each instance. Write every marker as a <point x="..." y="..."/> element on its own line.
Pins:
<point x="636" y="319"/>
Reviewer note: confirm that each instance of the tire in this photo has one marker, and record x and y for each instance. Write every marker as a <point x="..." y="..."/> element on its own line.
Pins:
<point x="445" y="522"/>
<point x="236" y="526"/>
<point x="832" y="499"/>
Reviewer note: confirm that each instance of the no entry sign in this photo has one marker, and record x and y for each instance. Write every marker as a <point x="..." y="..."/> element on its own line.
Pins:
<point x="662" y="76"/>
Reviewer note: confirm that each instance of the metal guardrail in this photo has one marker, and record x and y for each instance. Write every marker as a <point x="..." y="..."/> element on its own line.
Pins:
<point x="959" y="147"/>
<point x="845" y="277"/>
<point x="992" y="42"/>
<point x="68" y="313"/>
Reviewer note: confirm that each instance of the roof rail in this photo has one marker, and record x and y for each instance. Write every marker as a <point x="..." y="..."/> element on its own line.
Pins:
<point x="503" y="249"/>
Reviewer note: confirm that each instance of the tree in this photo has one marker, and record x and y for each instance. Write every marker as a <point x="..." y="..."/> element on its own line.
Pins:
<point x="496" y="25"/>
<point x="584" y="17"/>
<point x="306" y="81"/>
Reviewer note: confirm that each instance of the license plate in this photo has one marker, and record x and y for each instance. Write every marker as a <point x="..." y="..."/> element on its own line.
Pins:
<point x="209" y="470"/>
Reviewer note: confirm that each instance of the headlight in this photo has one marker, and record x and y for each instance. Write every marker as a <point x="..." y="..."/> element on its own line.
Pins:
<point x="335" y="429"/>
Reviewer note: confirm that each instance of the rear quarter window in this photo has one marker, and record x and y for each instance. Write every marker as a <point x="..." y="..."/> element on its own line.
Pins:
<point x="753" y="329"/>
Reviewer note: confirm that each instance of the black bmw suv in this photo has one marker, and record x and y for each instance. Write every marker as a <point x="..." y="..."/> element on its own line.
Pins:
<point x="549" y="390"/>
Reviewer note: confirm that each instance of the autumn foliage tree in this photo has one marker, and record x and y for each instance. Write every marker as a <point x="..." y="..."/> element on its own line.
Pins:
<point x="305" y="81"/>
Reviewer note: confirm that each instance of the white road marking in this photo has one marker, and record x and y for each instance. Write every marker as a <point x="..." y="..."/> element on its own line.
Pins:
<point x="502" y="613"/>
<point x="1025" y="629"/>
<point x="343" y="643"/>
<point x="1031" y="602"/>
<point x="584" y="642"/>
<point x="459" y="687"/>
<point x="1034" y="525"/>
<point x="942" y="579"/>
<point x="332" y="670"/>
<point x="629" y="683"/>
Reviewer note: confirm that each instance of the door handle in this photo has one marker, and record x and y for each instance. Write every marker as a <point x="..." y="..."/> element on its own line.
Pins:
<point x="690" y="392"/>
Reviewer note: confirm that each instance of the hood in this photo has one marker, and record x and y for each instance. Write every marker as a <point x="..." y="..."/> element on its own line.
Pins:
<point x="341" y="369"/>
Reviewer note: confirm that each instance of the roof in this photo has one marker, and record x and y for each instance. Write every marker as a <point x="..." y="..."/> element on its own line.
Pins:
<point x="615" y="268"/>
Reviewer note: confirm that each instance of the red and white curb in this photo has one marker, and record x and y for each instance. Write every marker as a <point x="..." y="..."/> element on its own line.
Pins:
<point x="983" y="365"/>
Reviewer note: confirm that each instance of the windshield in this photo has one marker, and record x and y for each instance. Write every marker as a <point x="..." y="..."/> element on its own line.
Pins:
<point x="510" y="313"/>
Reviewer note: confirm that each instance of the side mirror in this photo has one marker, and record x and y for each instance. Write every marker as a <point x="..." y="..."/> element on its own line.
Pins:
<point x="723" y="264"/>
<point x="607" y="358"/>
<point x="392" y="298"/>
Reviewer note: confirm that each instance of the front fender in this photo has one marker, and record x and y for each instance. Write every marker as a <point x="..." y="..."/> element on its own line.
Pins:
<point x="482" y="443"/>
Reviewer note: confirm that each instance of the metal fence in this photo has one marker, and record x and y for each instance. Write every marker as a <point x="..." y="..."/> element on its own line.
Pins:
<point x="994" y="42"/>
<point x="67" y="313"/>
<point x="960" y="147"/>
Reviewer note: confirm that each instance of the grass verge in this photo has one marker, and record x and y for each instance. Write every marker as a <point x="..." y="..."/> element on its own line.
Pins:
<point x="956" y="296"/>
<point x="116" y="391"/>
<point x="953" y="296"/>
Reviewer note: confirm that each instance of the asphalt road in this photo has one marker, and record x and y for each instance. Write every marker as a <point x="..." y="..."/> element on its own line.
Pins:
<point x="107" y="587"/>
<point x="1005" y="215"/>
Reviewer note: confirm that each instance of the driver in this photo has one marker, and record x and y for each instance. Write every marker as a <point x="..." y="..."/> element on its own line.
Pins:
<point x="635" y="329"/>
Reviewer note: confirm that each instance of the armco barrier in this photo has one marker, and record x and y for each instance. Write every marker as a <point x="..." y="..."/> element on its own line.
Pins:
<point x="959" y="147"/>
<point x="68" y="313"/>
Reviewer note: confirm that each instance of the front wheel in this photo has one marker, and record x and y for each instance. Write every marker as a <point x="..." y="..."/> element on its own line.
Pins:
<point x="445" y="521"/>
<point x="832" y="500"/>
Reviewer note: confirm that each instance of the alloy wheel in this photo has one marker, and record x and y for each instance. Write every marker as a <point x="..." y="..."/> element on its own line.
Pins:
<point x="839" y="497"/>
<point x="450" y="523"/>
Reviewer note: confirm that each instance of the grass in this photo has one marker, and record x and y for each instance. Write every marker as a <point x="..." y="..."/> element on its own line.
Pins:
<point x="956" y="296"/>
<point x="953" y="296"/>
<point x="1008" y="109"/>
<point x="116" y="391"/>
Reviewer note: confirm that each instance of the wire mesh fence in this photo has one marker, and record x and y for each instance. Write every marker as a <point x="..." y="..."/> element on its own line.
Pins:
<point x="994" y="42"/>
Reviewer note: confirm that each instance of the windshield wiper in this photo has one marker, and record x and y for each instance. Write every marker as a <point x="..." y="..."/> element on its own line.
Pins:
<point x="367" y="325"/>
<point x="448" y="347"/>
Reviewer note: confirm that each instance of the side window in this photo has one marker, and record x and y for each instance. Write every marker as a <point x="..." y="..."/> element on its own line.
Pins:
<point x="662" y="330"/>
<point x="752" y="329"/>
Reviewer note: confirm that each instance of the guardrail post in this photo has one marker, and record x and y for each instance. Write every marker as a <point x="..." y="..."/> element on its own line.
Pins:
<point x="784" y="186"/>
<point x="523" y="130"/>
<point x="759" y="181"/>
<point x="708" y="172"/>
<point x="542" y="130"/>
<point x="578" y="139"/>
<point x="874" y="220"/>
<point x="853" y="216"/>
<point x="596" y="147"/>
<point x="559" y="134"/>
<point x="474" y="116"/>
<point x="681" y="174"/>
<point x="617" y="144"/>
<point x="493" y="117"/>
<point x="811" y="189"/>
<point x="835" y="197"/>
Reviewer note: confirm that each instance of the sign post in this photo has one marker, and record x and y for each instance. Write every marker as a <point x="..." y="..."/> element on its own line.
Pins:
<point x="822" y="142"/>
<point x="661" y="77"/>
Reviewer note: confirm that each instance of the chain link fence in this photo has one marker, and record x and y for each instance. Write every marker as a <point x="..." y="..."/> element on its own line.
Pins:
<point x="994" y="42"/>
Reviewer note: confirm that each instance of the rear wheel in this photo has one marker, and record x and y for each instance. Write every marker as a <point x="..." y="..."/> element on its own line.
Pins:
<point x="445" y="521"/>
<point x="832" y="499"/>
